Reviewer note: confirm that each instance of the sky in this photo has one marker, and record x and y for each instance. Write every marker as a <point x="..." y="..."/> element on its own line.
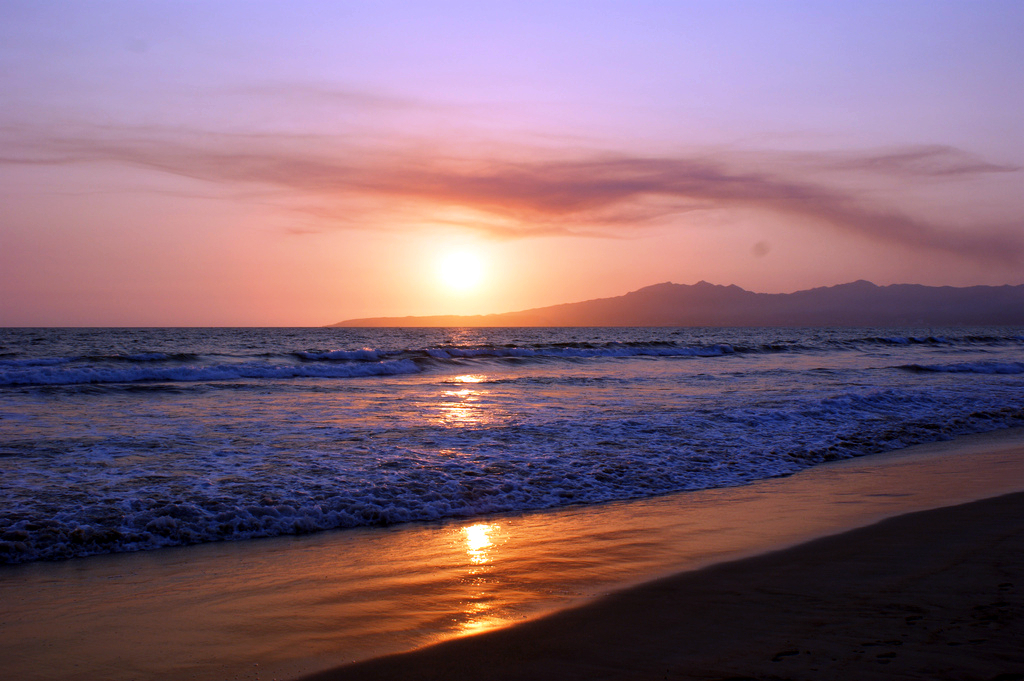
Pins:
<point x="248" y="163"/>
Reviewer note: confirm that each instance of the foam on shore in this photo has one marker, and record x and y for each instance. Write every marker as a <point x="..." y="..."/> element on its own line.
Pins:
<point x="296" y="605"/>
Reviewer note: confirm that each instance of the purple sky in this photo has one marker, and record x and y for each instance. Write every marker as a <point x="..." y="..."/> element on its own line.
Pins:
<point x="269" y="163"/>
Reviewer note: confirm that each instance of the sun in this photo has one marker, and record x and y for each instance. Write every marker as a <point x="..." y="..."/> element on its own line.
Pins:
<point x="461" y="271"/>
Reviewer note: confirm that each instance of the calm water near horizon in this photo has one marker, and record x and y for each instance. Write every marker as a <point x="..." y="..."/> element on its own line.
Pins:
<point x="125" y="439"/>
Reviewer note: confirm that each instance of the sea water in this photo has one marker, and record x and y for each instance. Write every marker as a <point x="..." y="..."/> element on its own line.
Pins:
<point x="125" y="439"/>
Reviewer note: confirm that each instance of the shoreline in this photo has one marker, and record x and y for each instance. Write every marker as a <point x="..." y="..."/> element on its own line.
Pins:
<point x="935" y="594"/>
<point x="281" y="608"/>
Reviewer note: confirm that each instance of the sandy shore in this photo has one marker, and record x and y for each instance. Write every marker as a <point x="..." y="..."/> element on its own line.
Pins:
<point x="280" y="608"/>
<point x="936" y="594"/>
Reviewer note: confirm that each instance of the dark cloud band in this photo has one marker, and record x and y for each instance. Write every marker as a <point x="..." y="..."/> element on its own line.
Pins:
<point x="589" y="195"/>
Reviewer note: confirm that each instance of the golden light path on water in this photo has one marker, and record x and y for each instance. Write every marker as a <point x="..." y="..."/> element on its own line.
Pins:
<point x="483" y="608"/>
<point x="460" y="407"/>
<point x="478" y="540"/>
<point x="479" y="612"/>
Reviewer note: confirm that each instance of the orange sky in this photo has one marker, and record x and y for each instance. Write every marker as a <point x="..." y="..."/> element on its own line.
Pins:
<point x="247" y="163"/>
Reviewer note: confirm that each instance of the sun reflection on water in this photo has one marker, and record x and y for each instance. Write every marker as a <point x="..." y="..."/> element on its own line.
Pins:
<point x="459" y="407"/>
<point x="480" y="621"/>
<point x="478" y="541"/>
<point x="481" y="609"/>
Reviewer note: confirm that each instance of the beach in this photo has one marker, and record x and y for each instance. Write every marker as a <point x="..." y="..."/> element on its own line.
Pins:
<point x="643" y="589"/>
<point x="931" y="595"/>
<point x="563" y="340"/>
<point x="252" y="504"/>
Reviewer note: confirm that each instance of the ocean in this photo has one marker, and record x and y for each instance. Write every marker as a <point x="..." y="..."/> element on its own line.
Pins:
<point x="115" y="440"/>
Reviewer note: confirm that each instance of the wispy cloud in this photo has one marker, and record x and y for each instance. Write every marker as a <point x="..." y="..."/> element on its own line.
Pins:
<point x="586" y="194"/>
<point x="300" y="95"/>
<point x="933" y="160"/>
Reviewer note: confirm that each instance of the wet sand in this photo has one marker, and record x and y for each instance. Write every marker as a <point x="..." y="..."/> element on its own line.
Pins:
<point x="281" y="608"/>
<point x="931" y="595"/>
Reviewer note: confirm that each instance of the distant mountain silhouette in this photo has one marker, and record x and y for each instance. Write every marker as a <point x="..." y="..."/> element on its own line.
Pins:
<point x="859" y="303"/>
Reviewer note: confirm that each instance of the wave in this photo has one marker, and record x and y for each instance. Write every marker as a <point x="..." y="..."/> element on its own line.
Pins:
<point x="148" y="357"/>
<point x="583" y="351"/>
<point x="35" y="362"/>
<point x="82" y="375"/>
<point x="345" y="363"/>
<point x="965" y="341"/>
<point x="366" y="355"/>
<point x="189" y="367"/>
<point x="968" y="368"/>
<point x="236" y="498"/>
<point x="144" y="357"/>
<point x="574" y="421"/>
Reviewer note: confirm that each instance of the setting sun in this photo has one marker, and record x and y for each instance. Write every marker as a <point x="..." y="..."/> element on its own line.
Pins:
<point x="461" y="271"/>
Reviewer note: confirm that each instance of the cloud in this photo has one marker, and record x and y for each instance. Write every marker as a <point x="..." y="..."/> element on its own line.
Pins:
<point x="305" y="94"/>
<point x="584" y="194"/>
<point x="926" y="160"/>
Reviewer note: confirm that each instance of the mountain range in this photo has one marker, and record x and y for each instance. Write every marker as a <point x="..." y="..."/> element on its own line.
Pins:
<point x="859" y="303"/>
